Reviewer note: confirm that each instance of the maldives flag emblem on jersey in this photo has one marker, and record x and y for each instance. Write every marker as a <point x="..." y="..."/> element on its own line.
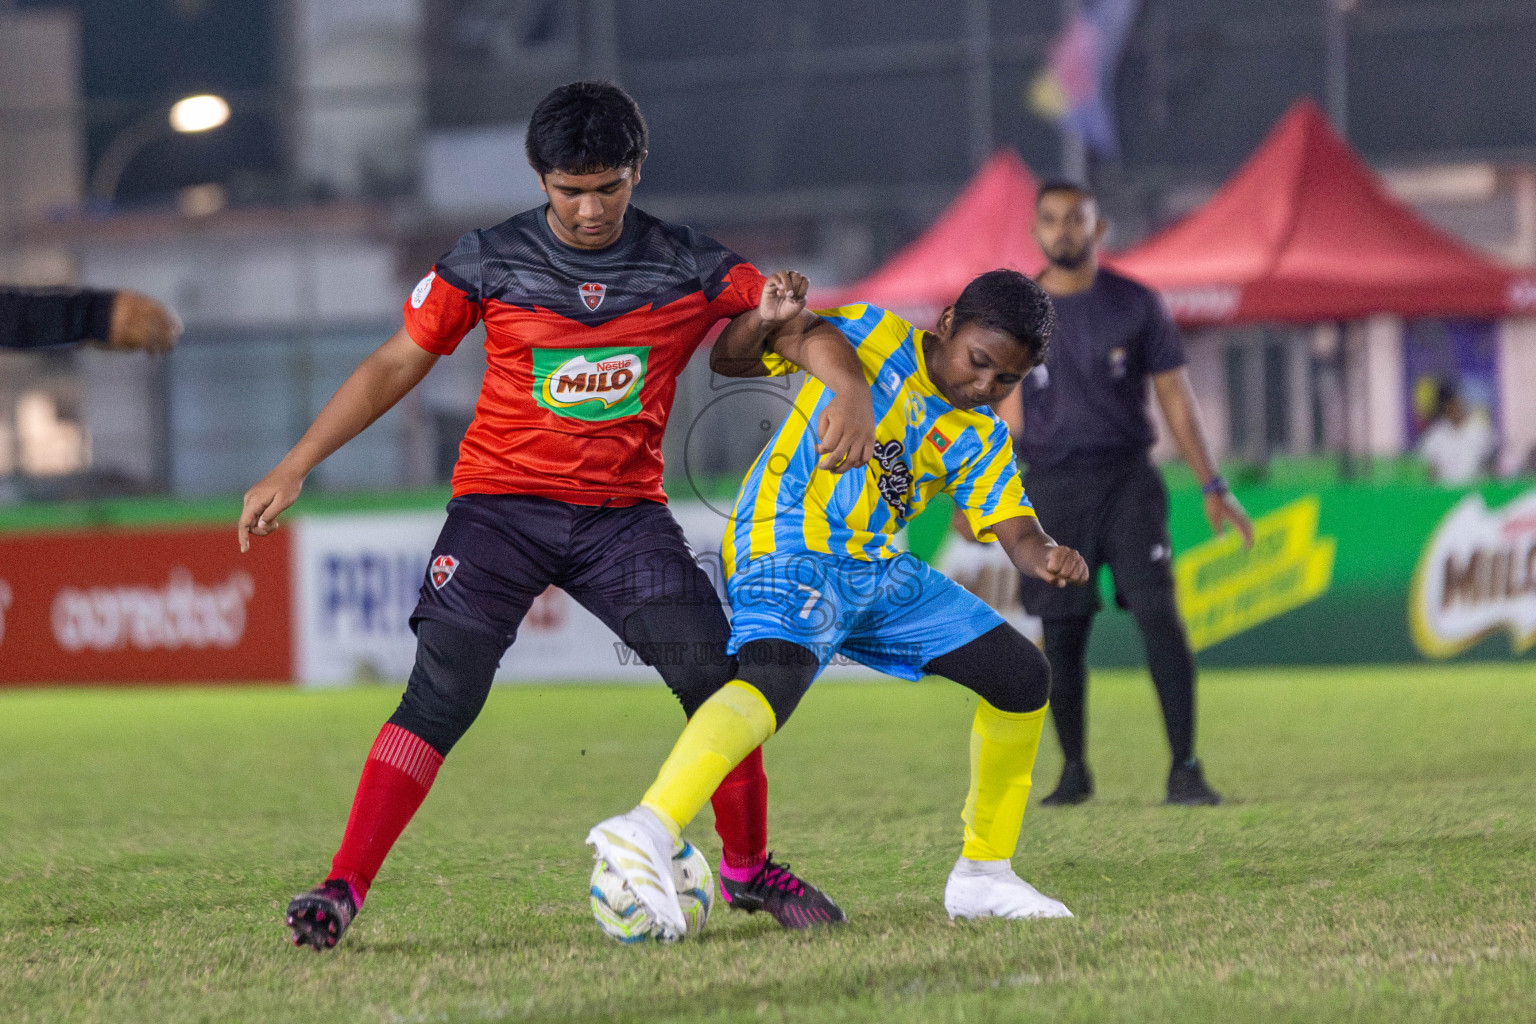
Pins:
<point x="592" y="294"/>
<point x="938" y="440"/>
<point x="442" y="570"/>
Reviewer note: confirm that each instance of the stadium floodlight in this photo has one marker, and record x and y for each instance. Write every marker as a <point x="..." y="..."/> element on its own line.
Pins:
<point x="199" y="113"/>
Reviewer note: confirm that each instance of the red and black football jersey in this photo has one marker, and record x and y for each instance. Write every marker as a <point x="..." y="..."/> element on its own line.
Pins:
<point x="584" y="348"/>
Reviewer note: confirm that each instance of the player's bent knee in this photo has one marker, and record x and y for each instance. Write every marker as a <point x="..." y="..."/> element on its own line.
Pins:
<point x="449" y="683"/>
<point x="686" y="645"/>
<point x="693" y="684"/>
<point x="781" y="671"/>
<point x="1023" y="685"/>
<point x="1002" y="667"/>
<point x="1034" y="681"/>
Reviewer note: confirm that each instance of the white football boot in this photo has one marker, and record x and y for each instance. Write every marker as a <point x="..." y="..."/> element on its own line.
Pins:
<point x="639" y="847"/>
<point x="989" y="888"/>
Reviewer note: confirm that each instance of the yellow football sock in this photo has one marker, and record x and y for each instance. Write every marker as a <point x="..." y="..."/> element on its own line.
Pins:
<point x="725" y="729"/>
<point x="1003" y="748"/>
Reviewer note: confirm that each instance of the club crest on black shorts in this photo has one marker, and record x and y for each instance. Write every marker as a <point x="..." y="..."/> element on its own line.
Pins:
<point x="442" y="570"/>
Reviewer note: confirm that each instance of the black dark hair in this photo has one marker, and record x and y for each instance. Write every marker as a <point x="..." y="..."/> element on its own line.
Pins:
<point x="1007" y="301"/>
<point x="1064" y="185"/>
<point x="585" y="127"/>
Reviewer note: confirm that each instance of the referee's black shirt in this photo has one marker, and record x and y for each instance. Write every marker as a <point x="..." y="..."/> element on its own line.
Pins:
<point x="1087" y="404"/>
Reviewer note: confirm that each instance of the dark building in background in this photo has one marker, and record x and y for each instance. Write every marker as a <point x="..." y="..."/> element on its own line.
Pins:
<point x="367" y="134"/>
<point x="765" y="115"/>
<point x="138" y="58"/>
<point x="878" y="110"/>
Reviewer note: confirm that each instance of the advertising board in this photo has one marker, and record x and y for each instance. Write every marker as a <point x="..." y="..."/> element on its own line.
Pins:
<point x="143" y="606"/>
<point x="356" y="580"/>
<point x="1224" y="588"/>
<point x="1357" y="574"/>
<point x="1477" y="577"/>
<point x="1341" y="575"/>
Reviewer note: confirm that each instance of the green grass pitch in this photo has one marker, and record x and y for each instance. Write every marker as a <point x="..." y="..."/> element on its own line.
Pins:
<point x="1376" y="861"/>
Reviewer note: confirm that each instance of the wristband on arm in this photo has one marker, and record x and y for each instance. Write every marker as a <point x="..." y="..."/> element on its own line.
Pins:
<point x="1217" y="485"/>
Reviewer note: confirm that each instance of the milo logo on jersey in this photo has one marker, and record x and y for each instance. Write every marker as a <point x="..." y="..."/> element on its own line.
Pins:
<point x="895" y="484"/>
<point x="590" y="383"/>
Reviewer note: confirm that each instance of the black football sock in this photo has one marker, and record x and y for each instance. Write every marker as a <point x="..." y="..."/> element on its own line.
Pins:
<point x="1173" y="674"/>
<point x="1066" y="648"/>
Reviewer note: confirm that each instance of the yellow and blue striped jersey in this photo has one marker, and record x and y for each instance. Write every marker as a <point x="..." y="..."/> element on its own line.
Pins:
<point x="923" y="446"/>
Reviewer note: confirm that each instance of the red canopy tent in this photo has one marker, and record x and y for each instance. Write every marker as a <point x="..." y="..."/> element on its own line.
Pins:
<point x="1305" y="232"/>
<point x="986" y="227"/>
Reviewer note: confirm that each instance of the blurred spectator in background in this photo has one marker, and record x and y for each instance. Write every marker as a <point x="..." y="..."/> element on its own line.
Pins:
<point x="34" y="318"/>
<point x="1458" y="445"/>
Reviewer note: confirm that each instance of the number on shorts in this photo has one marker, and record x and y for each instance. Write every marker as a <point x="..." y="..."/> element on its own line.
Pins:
<point x="810" y="602"/>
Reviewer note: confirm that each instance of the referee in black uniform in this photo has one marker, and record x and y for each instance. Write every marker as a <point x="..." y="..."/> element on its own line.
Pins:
<point x="1082" y="427"/>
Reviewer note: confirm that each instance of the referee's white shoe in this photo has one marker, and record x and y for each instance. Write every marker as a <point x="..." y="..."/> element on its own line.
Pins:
<point x="989" y="888"/>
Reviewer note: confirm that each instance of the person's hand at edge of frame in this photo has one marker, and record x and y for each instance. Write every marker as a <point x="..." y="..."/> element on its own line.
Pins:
<point x="264" y="502"/>
<point x="139" y="322"/>
<point x="1222" y="509"/>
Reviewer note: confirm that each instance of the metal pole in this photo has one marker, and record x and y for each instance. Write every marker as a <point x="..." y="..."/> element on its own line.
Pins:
<point x="1074" y="152"/>
<point x="305" y="340"/>
<point x="125" y="145"/>
<point x="164" y="390"/>
<point x="1348" y="470"/>
<point x="1157" y="62"/>
<point x="1337" y="32"/>
<point x="603" y="39"/>
<point x="1074" y="158"/>
<point x="978" y="60"/>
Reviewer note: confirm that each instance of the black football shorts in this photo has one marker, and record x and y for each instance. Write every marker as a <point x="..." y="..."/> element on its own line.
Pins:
<point x="498" y="552"/>
<point x="1114" y="515"/>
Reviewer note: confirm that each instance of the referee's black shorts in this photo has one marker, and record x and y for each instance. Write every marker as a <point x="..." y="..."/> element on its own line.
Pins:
<point x="1114" y="514"/>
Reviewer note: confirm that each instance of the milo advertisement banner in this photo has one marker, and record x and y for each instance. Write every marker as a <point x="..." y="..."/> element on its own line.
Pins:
<point x="1357" y="574"/>
<point x="1477" y="577"/>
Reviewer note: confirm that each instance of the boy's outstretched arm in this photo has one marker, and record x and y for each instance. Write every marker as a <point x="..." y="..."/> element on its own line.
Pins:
<point x="781" y="324"/>
<point x="380" y="381"/>
<point x="1033" y="552"/>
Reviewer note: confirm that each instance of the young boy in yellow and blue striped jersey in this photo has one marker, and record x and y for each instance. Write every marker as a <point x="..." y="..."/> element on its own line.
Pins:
<point x="814" y="570"/>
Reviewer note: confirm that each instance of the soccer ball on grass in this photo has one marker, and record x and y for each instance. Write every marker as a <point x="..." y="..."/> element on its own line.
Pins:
<point x="622" y="916"/>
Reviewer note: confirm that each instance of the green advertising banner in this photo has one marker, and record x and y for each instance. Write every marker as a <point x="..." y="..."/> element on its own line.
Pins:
<point x="1351" y="574"/>
<point x="1225" y="588"/>
<point x="1339" y="574"/>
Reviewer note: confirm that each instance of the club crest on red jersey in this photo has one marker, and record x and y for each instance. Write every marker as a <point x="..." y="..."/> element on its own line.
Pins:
<point x="592" y="294"/>
<point x="442" y="570"/>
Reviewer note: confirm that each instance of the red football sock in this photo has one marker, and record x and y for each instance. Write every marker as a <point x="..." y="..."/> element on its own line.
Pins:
<point x="396" y="777"/>
<point x="741" y="813"/>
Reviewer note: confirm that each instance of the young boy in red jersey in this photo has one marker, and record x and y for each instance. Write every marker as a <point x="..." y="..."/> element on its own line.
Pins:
<point x="592" y="308"/>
